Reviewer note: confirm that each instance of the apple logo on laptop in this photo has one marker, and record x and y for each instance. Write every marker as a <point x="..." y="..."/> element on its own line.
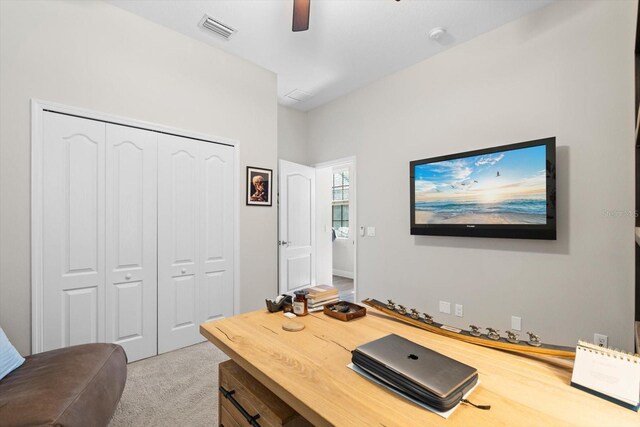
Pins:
<point x="412" y="357"/>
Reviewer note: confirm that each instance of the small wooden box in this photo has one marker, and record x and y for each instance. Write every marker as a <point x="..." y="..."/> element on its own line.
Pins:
<point x="254" y="398"/>
<point x="354" y="312"/>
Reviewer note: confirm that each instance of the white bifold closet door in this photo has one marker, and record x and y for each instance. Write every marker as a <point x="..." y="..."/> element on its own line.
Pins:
<point x="138" y="236"/>
<point x="74" y="231"/>
<point x="131" y="232"/>
<point x="100" y="210"/>
<point x="195" y="238"/>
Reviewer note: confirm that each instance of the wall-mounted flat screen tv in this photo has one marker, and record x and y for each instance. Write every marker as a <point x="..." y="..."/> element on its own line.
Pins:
<point x="507" y="191"/>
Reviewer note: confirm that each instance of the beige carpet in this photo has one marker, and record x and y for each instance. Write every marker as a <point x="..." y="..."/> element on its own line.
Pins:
<point x="174" y="389"/>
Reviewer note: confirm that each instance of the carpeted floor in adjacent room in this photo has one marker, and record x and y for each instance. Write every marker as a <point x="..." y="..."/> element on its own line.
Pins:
<point x="175" y="388"/>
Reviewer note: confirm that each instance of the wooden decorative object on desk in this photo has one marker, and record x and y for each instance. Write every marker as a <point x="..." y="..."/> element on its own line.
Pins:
<point x="491" y="339"/>
<point x="292" y="326"/>
<point x="344" y="311"/>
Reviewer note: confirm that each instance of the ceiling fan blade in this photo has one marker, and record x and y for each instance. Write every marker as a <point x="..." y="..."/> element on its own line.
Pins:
<point x="301" y="15"/>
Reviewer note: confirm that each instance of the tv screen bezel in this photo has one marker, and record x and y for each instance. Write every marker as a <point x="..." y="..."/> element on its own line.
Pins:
<point x="510" y="231"/>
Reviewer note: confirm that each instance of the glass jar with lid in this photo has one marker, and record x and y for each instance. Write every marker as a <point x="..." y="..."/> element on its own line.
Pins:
<point x="300" y="303"/>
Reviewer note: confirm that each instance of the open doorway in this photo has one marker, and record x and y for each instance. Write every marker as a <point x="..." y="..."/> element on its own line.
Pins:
<point x="336" y="226"/>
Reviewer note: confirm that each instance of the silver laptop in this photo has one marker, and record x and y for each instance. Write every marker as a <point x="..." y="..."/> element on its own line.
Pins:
<point x="416" y="364"/>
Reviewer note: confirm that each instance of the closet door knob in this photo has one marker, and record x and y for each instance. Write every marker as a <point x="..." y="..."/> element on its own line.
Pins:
<point x="183" y="271"/>
<point x="127" y="276"/>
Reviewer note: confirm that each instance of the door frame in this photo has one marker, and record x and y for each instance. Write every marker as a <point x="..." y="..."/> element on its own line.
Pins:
<point x="344" y="161"/>
<point x="38" y="108"/>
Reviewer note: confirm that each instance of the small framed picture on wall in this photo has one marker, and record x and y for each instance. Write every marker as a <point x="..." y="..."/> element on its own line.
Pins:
<point x="258" y="186"/>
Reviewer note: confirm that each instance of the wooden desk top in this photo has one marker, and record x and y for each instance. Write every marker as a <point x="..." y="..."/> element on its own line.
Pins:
<point x="307" y="369"/>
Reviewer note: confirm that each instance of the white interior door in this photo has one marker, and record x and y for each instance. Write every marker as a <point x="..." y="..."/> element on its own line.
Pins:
<point x="131" y="230"/>
<point x="297" y="226"/>
<point x="195" y="238"/>
<point x="216" y="245"/>
<point x="178" y="217"/>
<point x="73" y="231"/>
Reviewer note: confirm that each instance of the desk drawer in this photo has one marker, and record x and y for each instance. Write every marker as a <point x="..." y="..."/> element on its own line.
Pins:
<point x="254" y="399"/>
<point x="226" y="420"/>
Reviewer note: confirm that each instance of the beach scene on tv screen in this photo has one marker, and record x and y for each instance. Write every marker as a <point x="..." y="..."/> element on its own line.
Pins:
<point x="507" y="187"/>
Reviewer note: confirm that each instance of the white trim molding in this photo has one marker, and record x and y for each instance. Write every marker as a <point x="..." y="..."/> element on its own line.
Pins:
<point x="344" y="161"/>
<point x="38" y="107"/>
<point x="37" y="220"/>
<point x="343" y="273"/>
<point x="353" y="206"/>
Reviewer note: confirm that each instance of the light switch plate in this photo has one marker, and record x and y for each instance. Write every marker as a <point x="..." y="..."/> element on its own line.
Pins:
<point x="445" y="307"/>
<point x="371" y="231"/>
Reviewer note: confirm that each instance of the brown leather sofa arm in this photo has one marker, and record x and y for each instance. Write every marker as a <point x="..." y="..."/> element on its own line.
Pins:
<point x="74" y="386"/>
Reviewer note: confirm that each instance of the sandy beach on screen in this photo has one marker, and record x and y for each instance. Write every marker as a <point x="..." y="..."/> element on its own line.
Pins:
<point x="426" y="217"/>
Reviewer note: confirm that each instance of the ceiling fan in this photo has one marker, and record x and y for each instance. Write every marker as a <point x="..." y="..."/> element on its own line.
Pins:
<point x="301" y="15"/>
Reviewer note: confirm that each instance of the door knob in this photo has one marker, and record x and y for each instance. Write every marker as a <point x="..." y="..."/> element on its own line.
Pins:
<point x="127" y="276"/>
<point x="283" y="243"/>
<point x="183" y="271"/>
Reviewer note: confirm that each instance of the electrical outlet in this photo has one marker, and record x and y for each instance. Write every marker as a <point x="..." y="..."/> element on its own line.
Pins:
<point x="445" y="307"/>
<point x="600" y="340"/>
<point x="516" y="323"/>
<point x="459" y="311"/>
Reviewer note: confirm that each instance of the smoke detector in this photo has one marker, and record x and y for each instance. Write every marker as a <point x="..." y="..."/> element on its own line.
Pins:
<point x="217" y="27"/>
<point x="437" y="33"/>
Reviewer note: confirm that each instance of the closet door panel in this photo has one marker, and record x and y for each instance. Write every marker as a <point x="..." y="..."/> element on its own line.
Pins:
<point x="131" y="230"/>
<point x="74" y="227"/>
<point x="178" y="250"/>
<point x="80" y="304"/>
<point x="216" y="239"/>
<point x="127" y="311"/>
<point x="183" y="167"/>
<point x="184" y="290"/>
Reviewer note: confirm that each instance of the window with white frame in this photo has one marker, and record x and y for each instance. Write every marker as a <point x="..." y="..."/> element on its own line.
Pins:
<point x="340" y="204"/>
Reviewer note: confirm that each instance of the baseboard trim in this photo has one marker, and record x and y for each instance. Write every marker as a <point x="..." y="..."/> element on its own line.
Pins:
<point x="343" y="273"/>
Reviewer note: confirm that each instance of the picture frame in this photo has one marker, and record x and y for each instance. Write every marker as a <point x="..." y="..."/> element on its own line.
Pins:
<point x="259" y="182"/>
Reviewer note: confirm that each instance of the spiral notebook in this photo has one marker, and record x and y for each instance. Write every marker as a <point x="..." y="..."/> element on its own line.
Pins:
<point x="608" y="373"/>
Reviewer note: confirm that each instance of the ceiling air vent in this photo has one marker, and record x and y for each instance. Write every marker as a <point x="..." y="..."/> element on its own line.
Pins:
<point x="298" y="95"/>
<point x="217" y="27"/>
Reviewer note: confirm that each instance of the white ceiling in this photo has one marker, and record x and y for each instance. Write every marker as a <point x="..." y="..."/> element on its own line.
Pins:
<point x="349" y="44"/>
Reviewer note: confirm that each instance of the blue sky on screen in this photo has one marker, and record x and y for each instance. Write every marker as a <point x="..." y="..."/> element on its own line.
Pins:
<point x="495" y="177"/>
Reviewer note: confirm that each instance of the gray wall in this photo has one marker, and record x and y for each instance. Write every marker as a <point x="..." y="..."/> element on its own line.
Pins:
<point x="292" y="135"/>
<point x="96" y="56"/>
<point x="564" y="71"/>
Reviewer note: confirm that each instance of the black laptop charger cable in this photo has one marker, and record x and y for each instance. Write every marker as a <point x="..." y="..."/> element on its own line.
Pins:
<point x="484" y="407"/>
